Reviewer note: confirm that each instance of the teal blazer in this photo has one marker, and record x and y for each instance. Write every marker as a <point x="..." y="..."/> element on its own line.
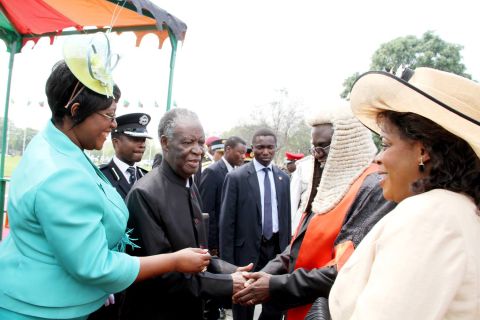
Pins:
<point x="62" y="259"/>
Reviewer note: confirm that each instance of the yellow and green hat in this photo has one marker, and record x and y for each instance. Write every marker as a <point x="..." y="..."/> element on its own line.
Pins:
<point x="91" y="61"/>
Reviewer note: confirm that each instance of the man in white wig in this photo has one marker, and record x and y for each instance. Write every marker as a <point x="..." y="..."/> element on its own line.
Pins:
<point x="341" y="203"/>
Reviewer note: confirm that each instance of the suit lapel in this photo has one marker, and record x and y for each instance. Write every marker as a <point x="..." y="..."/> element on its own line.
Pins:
<point x="201" y="231"/>
<point x="254" y="187"/>
<point x="223" y="167"/>
<point x="303" y="228"/>
<point x="122" y="183"/>
<point x="278" y="184"/>
<point x="278" y="180"/>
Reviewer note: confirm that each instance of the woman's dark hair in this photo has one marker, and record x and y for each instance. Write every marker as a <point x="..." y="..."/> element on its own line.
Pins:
<point x="59" y="88"/>
<point x="454" y="164"/>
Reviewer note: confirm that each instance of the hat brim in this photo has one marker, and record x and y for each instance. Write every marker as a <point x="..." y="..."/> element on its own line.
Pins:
<point x="137" y="134"/>
<point x="377" y="91"/>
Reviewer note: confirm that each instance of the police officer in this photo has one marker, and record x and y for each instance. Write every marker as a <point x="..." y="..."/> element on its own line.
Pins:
<point x="290" y="159"/>
<point x="129" y="143"/>
<point x="217" y="149"/>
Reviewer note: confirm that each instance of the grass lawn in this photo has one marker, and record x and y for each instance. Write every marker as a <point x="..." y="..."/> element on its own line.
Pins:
<point x="11" y="163"/>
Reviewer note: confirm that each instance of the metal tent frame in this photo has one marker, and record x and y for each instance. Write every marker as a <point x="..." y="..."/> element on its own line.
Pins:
<point x="164" y="22"/>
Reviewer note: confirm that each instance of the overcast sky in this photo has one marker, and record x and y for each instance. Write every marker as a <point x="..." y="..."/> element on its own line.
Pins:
<point x="237" y="54"/>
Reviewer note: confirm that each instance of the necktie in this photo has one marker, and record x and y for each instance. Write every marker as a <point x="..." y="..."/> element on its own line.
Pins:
<point x="267" y="206"/>
<point x="133" y="178"/>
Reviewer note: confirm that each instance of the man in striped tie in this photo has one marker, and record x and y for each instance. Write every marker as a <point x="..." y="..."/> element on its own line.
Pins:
<point x="128" y="140"/>
<point x="255" y="214"/>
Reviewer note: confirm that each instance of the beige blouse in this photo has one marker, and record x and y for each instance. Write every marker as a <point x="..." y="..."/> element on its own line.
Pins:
<point x="421" y="261"/>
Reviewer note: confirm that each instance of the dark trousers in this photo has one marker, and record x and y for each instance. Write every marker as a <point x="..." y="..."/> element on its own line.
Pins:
<point x="268" y="250"/>
<point x="111" y="312"/>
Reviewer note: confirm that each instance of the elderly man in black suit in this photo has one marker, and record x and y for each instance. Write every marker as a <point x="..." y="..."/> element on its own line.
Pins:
<point x="255" y="214"/>
<point x="166" y="216"/>
<point x="128" y="140"/>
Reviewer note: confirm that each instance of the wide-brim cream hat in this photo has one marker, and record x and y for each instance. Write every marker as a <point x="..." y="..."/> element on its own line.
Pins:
<point x="449" y="100"/>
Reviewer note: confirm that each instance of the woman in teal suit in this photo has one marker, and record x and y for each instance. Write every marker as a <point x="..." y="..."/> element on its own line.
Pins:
<point x="64" y="254"/>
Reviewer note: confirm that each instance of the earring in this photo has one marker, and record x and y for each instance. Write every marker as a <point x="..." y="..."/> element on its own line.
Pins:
<point x="421" y="166"/>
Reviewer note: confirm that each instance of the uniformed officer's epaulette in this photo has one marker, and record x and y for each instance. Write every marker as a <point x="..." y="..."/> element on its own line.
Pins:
<point x="142" y="171"/>
<point x="106" y="167"/>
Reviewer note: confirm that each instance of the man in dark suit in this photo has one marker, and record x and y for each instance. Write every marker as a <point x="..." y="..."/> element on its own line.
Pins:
<point x="128" y="140"/>
<point x="166" y="216"/>
<point x="255" y="214"/>
<point x="212" y="182"/>
<point x="342" y="203"/>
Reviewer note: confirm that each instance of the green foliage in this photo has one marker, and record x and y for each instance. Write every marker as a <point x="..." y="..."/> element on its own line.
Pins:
<point x="428" y="51"/>
<point x="377" y="140"/>
<point x="18" y="138"/>
<point x="348" y="85"/>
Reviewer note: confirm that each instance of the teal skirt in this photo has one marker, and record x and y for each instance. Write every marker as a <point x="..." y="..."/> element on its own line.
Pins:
<point x="10" y="315"/>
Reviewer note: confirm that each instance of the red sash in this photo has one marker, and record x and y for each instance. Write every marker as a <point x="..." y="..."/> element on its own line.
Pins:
<point x="317" y="250"/>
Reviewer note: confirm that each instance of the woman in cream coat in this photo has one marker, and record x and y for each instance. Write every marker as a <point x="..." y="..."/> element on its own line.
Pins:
<point x="64" y="256"/>
<point x="422" y="260"/>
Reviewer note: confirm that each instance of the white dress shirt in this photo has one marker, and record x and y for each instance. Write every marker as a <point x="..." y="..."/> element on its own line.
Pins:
<point x="123" y="167"/>
<point x="229" y="166"/>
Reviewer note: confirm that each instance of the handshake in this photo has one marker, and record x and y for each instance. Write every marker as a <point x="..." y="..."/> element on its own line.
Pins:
<point x="250" y="288"/>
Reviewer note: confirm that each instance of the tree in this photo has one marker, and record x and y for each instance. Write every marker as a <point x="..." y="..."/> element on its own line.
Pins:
<point x="348" y="84"/>
<point x="18" y="138"/>
<point x="285" y="117"/>
<point x="428" y="51"/>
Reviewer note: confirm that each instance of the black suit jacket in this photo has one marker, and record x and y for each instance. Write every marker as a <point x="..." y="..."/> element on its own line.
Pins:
<point x="117" y="178"/>
<point x="165" y="216"/>
<point x="241" y="214"/>
<point x="211" y="191"/>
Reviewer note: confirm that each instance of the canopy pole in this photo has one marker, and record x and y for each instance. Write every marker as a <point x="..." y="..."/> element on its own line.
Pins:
<point x="3" y="180"/>
<point x="173" y="55"/>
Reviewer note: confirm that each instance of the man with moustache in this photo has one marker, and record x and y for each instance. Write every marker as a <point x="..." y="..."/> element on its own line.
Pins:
<point x="166" y="216"/>
<point x="341" y="203"/>
<point x="128" y="140"/>
<point x="255" y="214"/>
<point x="302" y="185"/>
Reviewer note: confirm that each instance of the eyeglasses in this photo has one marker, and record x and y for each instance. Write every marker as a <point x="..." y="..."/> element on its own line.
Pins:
<point x="109" y="117"/>
<point x="319" y="150"/>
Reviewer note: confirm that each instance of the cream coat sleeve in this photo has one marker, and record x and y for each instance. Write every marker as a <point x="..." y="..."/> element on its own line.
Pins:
<point x="419" y="262"/>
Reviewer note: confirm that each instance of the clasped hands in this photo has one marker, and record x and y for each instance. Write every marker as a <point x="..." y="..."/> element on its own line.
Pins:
<point x="250" y="288"/>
